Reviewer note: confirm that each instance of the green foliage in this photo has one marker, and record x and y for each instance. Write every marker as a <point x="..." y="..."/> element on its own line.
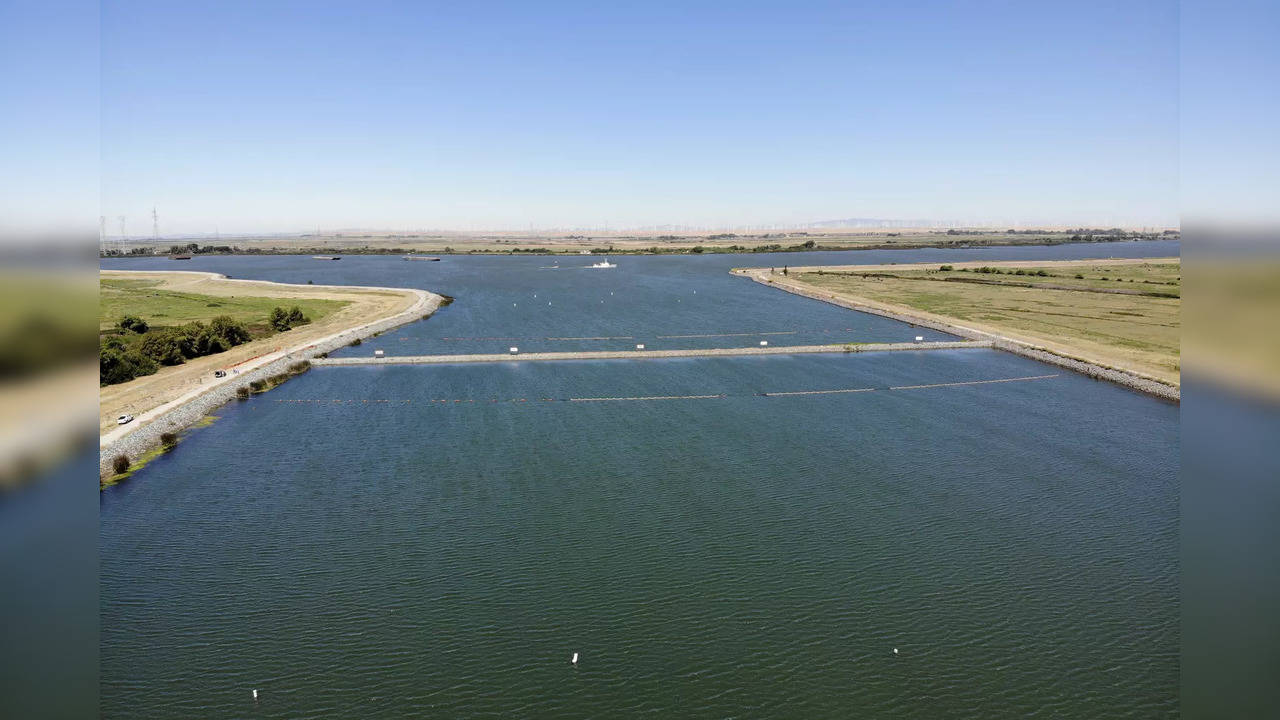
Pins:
<point x="168" y="440"/>
<point x="132" y="322"/>
<point x="946" y="268"/>
<point x="120" y="464"/>
<point x="282" y="320"/>
<point x="117" y="365"/>
<point x="120" y="361"/>
<point x="242" y="392"/>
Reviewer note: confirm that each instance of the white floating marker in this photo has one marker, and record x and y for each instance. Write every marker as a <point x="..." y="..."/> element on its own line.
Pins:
<point x="764" y="343"/>
<point x="919" y="338"/>
<point x="255" y="693"/>
<point x="574" y="660"/>
<point x="895" y="651"/>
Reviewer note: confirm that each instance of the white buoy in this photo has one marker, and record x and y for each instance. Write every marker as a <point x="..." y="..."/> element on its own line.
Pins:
<point x="574" y="660"/>
<point x="255" y="693"/>
<point x="895" y="651"/>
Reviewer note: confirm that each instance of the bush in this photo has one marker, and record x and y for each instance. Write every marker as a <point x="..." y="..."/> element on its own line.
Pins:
<point x="120" y="464"/>
<point x="355" y="342"/>
<point x="300" y="367"/>
<point x="168" y="440"/>
<point x="242" y="392"/>
<point x="168" y="347"/>
<point x="282" y="319"/>
<point x="279" y="319"/>
<point x="946" y="268"/>
<point x="258" y="385"/>
<point x="117" y="366"/>
<point x="134" y="323"/>
<point x="1079" y="276"/>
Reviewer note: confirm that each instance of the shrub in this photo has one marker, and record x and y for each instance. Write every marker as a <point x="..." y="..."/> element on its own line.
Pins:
<point x="1042" y="273"/>
<point x="232" y="333"/>
<point x="167" y="346"/>
<point x="120" y="464"/>
<point x="296" y="317"/>
<point x="117" y="366"/>
<point x="946" y="268"/>
<point x="300" y="367"/>
<point x="242" y="392"/>
<point x="279" y="319"/>
<point x="1079" y="276"/>
<point x="258" y="385"/>
<point x="168" y="440"/>
<point x="355" y="342"/>
<point x="134" y="323"/>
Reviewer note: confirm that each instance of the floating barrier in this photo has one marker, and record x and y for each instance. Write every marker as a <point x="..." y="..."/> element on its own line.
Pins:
<point x="644" y="398"/>
<point x="974" y="382"/>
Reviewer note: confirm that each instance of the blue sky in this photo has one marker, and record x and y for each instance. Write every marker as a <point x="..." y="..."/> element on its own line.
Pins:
<point x="282" y="116"/>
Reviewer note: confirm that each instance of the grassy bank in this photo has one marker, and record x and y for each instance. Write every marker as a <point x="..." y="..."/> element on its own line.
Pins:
<point x="158" y="307"/>
<point x="1119" y="314"/>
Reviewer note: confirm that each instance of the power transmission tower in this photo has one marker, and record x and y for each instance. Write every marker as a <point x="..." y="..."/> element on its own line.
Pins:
<point x="123" y="236"/>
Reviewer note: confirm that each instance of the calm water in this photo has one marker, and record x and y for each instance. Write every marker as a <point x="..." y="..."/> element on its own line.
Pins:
<point x="437" y="541"/>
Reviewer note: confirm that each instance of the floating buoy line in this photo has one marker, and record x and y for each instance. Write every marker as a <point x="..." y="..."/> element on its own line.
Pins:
<point x="646" y="398"/>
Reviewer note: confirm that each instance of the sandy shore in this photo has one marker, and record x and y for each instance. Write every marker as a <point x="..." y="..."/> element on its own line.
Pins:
<point x="179" y="396"/>
<point x="1055" y="356"/>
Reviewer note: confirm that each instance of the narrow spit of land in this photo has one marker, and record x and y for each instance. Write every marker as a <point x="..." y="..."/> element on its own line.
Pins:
<point x="1113" y="319"/>
<point x="179" y="395"/>
<point x="650" y="354"/>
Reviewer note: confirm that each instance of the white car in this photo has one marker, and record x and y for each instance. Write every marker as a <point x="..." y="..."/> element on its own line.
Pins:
<point x="123" y="419"/>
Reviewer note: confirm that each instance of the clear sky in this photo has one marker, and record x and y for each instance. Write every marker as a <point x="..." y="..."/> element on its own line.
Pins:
<point x="288" y="116"/>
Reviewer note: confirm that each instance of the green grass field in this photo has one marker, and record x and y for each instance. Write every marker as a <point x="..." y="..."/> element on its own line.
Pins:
<point x="120" y="297"/>
<point x="1133" y="331"/>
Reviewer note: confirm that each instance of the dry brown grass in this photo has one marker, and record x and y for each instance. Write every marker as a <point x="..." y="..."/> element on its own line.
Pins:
<point x="1133" y="332"/>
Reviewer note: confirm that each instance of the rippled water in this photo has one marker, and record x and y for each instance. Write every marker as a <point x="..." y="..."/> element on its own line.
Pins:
<point x="437" y="541"/>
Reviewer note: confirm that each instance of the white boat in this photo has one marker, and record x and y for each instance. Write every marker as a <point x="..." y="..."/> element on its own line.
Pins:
<point x="603" y="264"/>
